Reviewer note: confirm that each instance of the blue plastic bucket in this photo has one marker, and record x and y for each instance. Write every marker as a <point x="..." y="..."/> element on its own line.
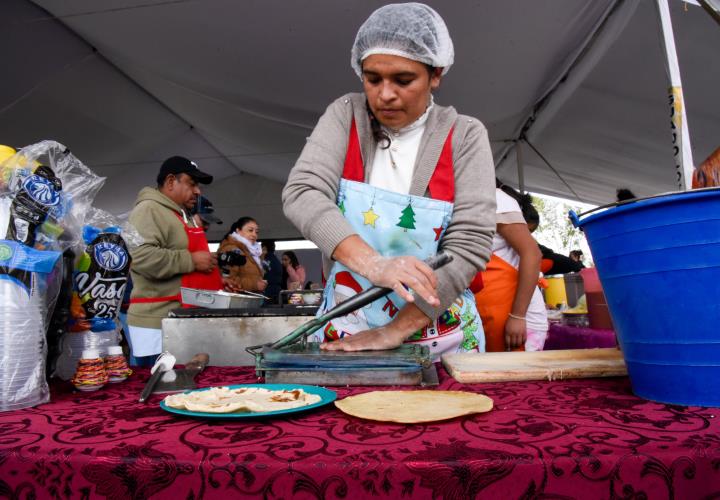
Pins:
<point x="658" y="260"/>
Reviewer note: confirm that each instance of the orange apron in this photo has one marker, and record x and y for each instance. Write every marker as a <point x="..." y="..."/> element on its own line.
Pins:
<point x="494" y="302"/>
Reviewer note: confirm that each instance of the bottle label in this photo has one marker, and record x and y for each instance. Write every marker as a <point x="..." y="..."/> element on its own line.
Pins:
<point x="41" y="190"/>
<point x="100" y="285"/>
<point x="110" y="256"/>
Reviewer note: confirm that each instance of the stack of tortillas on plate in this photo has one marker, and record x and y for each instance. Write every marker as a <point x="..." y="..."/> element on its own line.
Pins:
<point x="246" y="399"/>
<point x="410" y="407"/>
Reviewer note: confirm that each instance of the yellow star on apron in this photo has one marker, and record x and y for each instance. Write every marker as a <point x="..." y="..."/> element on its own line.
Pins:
<point x="370" y="217"/>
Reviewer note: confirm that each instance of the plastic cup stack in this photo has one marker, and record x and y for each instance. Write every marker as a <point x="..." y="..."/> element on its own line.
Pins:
<point x="22" y="348"/>
<point x="91" y="374"/>
<point x="116" y="365"/>
<point x="74" y="343"/>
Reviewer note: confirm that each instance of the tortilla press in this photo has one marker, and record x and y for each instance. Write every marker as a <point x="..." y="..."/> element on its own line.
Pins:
<point x="292" y="359"/>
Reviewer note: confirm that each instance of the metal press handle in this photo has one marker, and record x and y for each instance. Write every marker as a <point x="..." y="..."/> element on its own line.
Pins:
<point x="372" y="294"/>
<point x="346" y="307"/>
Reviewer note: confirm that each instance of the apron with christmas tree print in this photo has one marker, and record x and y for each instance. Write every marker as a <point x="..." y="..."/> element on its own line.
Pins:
<point x="397" y="224"/>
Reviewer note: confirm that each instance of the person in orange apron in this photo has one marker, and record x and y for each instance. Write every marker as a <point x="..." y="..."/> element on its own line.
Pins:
<point x="387" y="179"/>
<point x="510" y="303"/>
<point x="174" y="254"/>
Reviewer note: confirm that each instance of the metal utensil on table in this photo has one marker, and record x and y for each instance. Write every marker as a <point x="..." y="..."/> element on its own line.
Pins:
<point x="165" y="362"/>
<point x="179" y="380"/>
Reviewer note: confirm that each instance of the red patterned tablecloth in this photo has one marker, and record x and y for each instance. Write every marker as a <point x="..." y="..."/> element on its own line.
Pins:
<point x="569" y="439"/>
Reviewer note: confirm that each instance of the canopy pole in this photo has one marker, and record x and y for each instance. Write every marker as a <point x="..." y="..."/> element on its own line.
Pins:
<point x="678" y="119"/>
<point x="520" y="168"/>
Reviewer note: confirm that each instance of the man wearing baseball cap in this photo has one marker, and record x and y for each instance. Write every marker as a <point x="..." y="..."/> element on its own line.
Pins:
<point x="174" y="253"/>
<point x="204" y="213"/>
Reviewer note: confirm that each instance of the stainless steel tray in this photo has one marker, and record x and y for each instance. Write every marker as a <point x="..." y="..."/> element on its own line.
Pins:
<point x="218" y="299"/>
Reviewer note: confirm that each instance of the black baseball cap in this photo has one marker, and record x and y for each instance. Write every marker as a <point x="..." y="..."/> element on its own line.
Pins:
<point x="180" y="165"/>
<point x="204" y="208"/>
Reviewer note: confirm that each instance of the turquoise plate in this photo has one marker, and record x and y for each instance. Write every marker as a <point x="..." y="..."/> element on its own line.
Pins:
<point x="326" y="396"/>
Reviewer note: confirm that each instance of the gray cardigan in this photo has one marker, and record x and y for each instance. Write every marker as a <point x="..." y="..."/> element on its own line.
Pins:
<point x="309" y="197"/>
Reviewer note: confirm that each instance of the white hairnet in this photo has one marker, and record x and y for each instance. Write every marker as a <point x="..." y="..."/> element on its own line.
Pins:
<point x="411" y="30"/>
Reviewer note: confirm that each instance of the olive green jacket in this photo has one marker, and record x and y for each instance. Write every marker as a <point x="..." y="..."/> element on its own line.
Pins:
<point x="161" y="260"/>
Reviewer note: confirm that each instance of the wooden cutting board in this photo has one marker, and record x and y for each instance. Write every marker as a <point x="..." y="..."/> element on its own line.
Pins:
<point x="542" y="365"/>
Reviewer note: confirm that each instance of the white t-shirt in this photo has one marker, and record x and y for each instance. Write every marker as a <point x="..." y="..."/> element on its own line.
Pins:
<point x="536" y="316"/>
<point x="393" y="167"/>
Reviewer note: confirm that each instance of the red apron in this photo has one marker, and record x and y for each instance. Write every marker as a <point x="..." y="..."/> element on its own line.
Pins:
<point x="197" y="242"/>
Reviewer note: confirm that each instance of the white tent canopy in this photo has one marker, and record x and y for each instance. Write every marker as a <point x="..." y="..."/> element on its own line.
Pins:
<point x="238" y="86"/>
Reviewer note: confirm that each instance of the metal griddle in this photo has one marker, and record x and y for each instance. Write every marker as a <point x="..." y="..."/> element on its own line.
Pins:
<point x="293" y="359"/>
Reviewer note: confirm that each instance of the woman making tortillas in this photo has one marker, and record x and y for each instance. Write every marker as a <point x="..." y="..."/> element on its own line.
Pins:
<point x="387" y="179"/>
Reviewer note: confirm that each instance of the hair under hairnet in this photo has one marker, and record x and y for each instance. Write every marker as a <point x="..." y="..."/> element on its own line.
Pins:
<point x="411" y="30"/>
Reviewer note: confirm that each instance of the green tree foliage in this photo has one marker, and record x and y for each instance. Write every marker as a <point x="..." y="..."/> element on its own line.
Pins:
<point x="555" y="230"/>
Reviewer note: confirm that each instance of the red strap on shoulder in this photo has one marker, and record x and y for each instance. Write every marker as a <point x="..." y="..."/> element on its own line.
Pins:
<point x="180" y="219"/>
<point x="353" y="169"/>
<point x="442" y="182"/>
